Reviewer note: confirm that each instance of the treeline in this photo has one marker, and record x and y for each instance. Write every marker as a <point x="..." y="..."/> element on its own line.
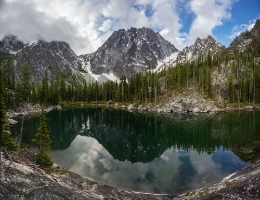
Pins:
<point x="143" y="87"/>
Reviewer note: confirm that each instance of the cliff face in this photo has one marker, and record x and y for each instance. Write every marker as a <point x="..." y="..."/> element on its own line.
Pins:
<point x="55" y="56"/>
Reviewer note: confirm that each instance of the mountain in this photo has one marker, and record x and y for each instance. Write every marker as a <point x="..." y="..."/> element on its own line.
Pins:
<point x="201" y="46"/>
<point x="54" y="56"/>
<point x="11" y="44"/>
<point x="124" y="52"/>
<point x="244" y="39"/>
<point x="127" y="51"/>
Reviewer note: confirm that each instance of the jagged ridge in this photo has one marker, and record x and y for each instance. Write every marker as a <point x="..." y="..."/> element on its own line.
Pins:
<point x="201" y="46"/>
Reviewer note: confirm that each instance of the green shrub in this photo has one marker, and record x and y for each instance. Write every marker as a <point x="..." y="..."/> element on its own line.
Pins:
<point x="43" y="159"/>
<point x="9" y="143"/>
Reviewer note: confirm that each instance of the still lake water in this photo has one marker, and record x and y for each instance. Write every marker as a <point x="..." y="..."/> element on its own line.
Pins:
<point x="147" y="152"/>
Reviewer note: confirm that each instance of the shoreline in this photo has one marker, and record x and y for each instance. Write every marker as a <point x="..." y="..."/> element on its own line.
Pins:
<point x="22" y="178"/>
<point x="178" y="104"/>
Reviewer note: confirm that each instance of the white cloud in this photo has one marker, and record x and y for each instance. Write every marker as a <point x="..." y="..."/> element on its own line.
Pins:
<point x="86" y="25"/>
<point x="238" y="29"/>
<point x="105" y="26"/>
<point x="209" y="14"/>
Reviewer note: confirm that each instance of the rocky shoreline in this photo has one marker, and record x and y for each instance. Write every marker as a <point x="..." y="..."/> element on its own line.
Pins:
<point x="186" y="102"/>
<point x="27" y="109"/>
<point x="21" y="178"/>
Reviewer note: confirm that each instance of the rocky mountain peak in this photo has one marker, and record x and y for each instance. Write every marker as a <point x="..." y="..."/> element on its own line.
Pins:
<point x="126" y="51"/>
<point x="198" y="40"/>
<point x="201" y="46"/>
<point x="11" y="44"/>
<point x="56" y="56"/>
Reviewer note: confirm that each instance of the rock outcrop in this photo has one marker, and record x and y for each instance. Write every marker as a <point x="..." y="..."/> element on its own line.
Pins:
<point x="244" y="39"/>
<point x="243" y="184"/>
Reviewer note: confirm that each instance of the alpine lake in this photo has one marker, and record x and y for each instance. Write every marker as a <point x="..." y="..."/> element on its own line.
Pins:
<point x="170" y="153"/>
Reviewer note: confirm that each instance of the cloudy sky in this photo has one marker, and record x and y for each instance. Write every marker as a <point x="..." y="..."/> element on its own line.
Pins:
<point x="86" y="24"/>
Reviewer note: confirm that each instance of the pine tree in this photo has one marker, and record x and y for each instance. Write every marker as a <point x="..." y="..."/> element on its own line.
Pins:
<point x="42" y="137"/>
<point x="5" y="138"/>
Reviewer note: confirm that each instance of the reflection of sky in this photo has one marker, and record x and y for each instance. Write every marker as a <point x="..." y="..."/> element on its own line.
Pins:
<point x="172" y="171"/>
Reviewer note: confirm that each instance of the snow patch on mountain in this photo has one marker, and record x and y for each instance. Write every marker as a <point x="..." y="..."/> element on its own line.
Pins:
<point x="168" y="60"/>
<point x="111" y="77"/>
<point x="90" y="76"/>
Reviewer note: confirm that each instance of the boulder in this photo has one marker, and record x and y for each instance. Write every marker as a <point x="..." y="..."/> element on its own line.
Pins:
<point x="145" y="108"/>
<point x="140" y="107"/>
<point x="11" y="121"/>
<point x="110" y="103"/>
<point x="55" y="166"/>
<point x="130" y="107"/>
<point x="58" y="107"/>
<point x="209" y="108"/>
<point x="179" y="100"/>
<point x="196" y="110"/>
<point x="249" y="107"/>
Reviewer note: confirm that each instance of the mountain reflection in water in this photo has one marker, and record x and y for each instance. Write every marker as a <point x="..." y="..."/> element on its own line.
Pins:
<point x="146" y="152"/>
